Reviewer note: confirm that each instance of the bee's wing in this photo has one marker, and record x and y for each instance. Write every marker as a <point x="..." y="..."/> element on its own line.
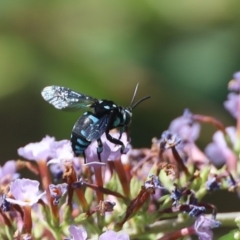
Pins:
<point x="65" y="98"/>
<point x="96" y="130"/>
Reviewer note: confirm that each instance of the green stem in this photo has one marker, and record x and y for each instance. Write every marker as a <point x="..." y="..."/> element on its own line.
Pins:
<point x="226" y="219"/>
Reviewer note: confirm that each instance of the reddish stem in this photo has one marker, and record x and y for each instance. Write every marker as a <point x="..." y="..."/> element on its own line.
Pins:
<point x="104" y="190"/>
<point x="178" y="234"/>
<point x="122" y="176"/>
<point x="70" y="177"/>
<point x="99" y="180"/>
<point x="211" y="120"/>
<point x="27" y="219"/>
<point x="180" y="161"/>
<point x="46" y="181"/>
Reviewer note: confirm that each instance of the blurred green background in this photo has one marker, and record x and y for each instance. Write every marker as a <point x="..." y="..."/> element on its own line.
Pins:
<point x="181" y="52"/>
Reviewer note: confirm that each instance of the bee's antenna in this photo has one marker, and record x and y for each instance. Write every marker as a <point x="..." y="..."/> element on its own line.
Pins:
<point x="134" y="94"/>
<point x="139" y="101"/>
<point x="135" y="104"/>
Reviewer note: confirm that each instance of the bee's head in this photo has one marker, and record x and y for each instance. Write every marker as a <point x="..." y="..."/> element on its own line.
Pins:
<point x="126" y="115"/>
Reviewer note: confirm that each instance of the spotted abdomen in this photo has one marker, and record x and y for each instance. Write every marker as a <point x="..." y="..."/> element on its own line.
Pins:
<point x="78" y="136"/>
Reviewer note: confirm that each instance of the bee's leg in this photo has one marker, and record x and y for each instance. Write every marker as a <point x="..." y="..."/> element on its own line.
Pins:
<point x="127" y="132"/>
<point x="99" y="149"/>
<point x="115" y="141"/>
<point x="84" y="157"/>
<point x="110" y="138"/>
<point x="121" y="132"/>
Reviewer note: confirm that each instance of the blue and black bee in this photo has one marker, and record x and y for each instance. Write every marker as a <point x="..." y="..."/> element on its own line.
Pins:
<point x="90" y="126"/>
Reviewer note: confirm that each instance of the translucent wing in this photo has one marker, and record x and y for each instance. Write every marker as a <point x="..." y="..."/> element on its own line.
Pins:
<point x="96" y="130"/>
<point x="65" y="98"/>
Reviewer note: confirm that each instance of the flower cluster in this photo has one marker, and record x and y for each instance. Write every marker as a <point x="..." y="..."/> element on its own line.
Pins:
<point x="147" y="193"/>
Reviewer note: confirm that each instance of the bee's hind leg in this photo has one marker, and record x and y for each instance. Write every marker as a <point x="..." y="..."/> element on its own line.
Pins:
<point x="99" y="149"/>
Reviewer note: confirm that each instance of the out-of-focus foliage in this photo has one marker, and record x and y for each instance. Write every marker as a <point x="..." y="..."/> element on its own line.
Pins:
<point x="181" y="52"/>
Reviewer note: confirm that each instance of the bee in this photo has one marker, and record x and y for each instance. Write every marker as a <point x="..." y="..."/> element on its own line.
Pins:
<point x="105" y="115"/>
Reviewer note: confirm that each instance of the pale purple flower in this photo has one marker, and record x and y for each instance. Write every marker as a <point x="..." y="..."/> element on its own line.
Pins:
<point x="116" y="149"/>
<point x="169" y="140"/>
<point x="185" y="127"/>
<point x="153" y="183"/>
<point x="232" y="104"/>
<point x="57" y="170"/>
<point x="218" y="151"/>
<point x="77" y="233"/>
<point x="212" y="184"/>
<point x="39" y="150"/>
<point x="203" y="227"/>
<point x="91" y="152"/>
<point x="4" y="204"/>
<point x="234" y="84"/>
<point x="63" y="150"/>
<point x="236" y="76"/>
<point x="126" y="158"/>
<point x="25" y="192"/>
<point x="26" y="236"/>
<point x="8" y="172"/>
<point x="48" y="149"/>
<point x="57" y="191"/>
<point x="62" y="154"/>
<point x="58" y="166"/>
<point x="188" y="131"/>
<point x="110" y="234"/>
<point x="106" y="206"/>
<point x="77" y="165"/>
<point x="59" y="144"/>
<point x="110" y="151"/>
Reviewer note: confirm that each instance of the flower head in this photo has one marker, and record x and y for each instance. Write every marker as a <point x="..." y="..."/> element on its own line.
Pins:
<point x="234" y="84"/>
<point x="154" y="183"/>
<point x="57" y="191"/>
<point x="47" y="149"/>
<point x="203" y="227"/>
<point x="77" y="233"/>
<point x="4" y="204"/>
<point x="232" y="103"/>
<point x="176" y="195"/>
<point x="196" y="211"/>
<point x="25" y="192"/>
<point x="218" y="151"/>
<point x="110" y="151"/>
<point x="212" y="184"/>
<point x="63" y="154"/>
<point x="169" y="140"/>
<point x="110" y="234"/>
<point x="185" y="127"/>
<point x="39" y="150"/>
<point x="8" y="172"/>
<point x="62" y="150"/>
<point x="105" y="206"/>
